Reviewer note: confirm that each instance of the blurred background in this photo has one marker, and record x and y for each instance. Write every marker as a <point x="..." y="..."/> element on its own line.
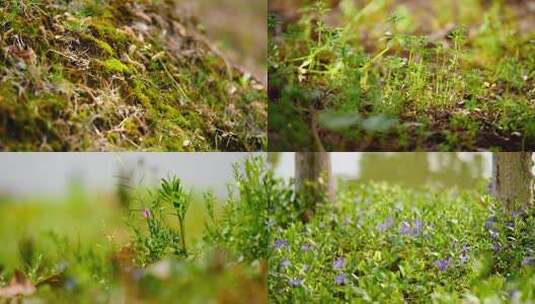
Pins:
<point x="238" y="27"/>
<point x="27" y="175"/>
<point x="50" y="176"/>
<point x="436" y="170"/>
<point x="421" y="16"/>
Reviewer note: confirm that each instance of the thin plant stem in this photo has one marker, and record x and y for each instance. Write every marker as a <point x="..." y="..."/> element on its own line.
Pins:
<point x="182" y="225"/>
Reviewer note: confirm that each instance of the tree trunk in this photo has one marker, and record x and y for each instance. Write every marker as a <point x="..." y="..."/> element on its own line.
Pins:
<point x="513" y="179"/>
<point x="313" y="179"/>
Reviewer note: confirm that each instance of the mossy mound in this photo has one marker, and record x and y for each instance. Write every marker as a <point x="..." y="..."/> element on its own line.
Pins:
<point x="119" y="75"/>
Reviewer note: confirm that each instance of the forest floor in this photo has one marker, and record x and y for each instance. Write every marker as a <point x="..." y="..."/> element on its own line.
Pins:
<point x="100" y="248"/>
<point x="382" y="243"/>
<point x="120" y="75"/>
<point x="401" y="75"/>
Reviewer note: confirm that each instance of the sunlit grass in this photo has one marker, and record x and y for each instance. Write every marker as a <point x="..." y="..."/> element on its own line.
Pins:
<point x="401" y="76"/>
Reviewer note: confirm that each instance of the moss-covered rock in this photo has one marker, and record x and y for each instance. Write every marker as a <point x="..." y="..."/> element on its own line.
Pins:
<point x="119" y="75"/>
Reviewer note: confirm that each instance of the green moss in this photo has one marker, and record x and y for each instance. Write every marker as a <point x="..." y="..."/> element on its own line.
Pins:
<point x="156" y="95"/>
<point x="113" y="138"/>
<point x="94" y="8"/>
<point x="130" y="125"/>
<point x="49" y="106"/>
<point x="103" y="45"/>
<point x="138" y="90"/>
<point x="75" y="25"/>
<point x="108" y="31"/>
<point x="7" y="93"/>
<point x="182" y="121"/>
<point x="115" y="66"/>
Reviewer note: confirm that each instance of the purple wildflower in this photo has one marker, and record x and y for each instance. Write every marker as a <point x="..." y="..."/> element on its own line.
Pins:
<point x="340" y="279"/>
<point x="146" y="213"/>
<point x="443" y="264"/>
<point x="285" y="264"/>
<point x="294" y="283"/>
<point x="279" y="244"/>
<point x="413" y="229"/>
<point x="516" y="214"/>
<point x="417" y="227"/>
<point x="528" y="261"/>
<point x="490" y="187"/>
<point x="386" y="224"/>
<point x="514" y="296"/>
<point x="489" y="223"/>
<point x="339" y="263"/>
<point x="70" y="284"/>
<point x="307" y="247"/>
<point x="463" y="258"/>
<point x="510" y="224"/>
<point x="496" y="247"/>
<point x="405" y="228"/>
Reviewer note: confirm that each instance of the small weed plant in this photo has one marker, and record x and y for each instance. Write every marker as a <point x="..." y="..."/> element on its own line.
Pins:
<point x="241" y="228"/>
<point x="162" y="239"/>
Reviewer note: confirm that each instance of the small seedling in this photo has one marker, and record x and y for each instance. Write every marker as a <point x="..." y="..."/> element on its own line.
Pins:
<point x="172" y="192"/>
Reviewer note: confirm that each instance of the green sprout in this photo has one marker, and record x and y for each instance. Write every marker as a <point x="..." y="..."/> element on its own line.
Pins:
<point x="173" y="192"/>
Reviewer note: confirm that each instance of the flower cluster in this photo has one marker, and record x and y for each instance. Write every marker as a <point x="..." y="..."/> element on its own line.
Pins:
<point x="345" y="253"/>
<point x="443" y="264"/>
<point x="338" y="265"/>
<point x="280" y="244"/>
<point x="385" y="225"/>
<point x="411" y="229"/>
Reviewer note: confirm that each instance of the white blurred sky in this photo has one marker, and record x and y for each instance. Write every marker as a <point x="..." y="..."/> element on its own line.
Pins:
<point x="50" y="174"/>
<point x="346" y="163"/>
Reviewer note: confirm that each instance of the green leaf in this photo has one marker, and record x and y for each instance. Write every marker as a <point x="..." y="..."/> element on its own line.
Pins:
<point x="333" y="120"/>
<point x="378" y="123"/>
